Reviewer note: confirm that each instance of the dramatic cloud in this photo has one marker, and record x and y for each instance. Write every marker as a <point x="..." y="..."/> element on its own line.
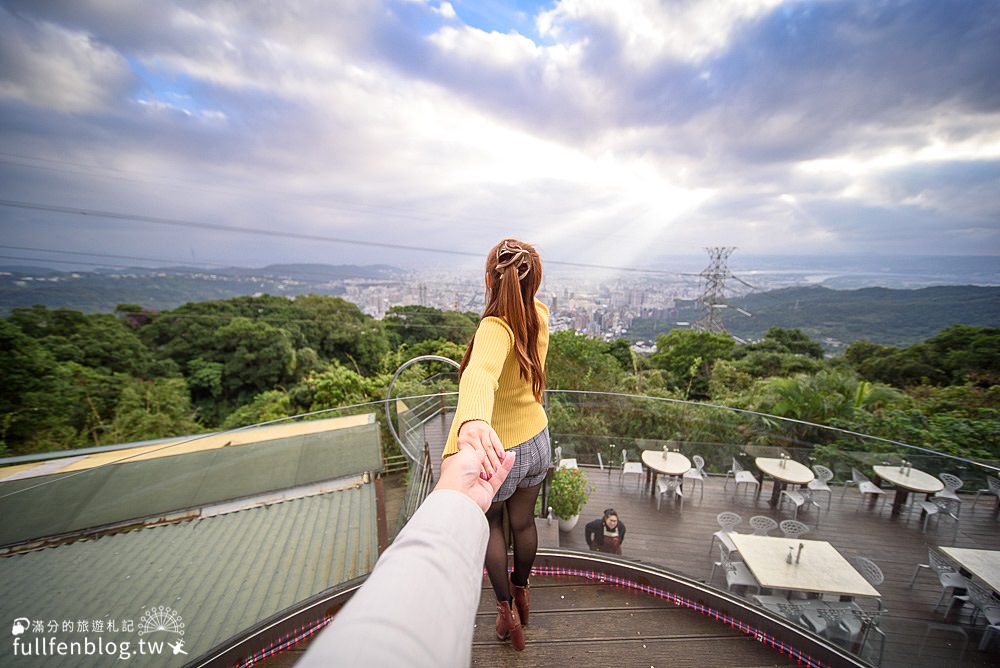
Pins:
<point x="605" y="131"/>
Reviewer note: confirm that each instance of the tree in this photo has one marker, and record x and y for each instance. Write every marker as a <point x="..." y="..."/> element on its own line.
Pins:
<point x="781" y="340"/>
<point x="687" y="356"/>
<point x="255" y="357"/>
<point x="151" y="409"/>
<point x="412" y="324"/>
<point x="266" y="406"/>
<point x="97" y="340"/>
<point x="577" y="362"/>
<point x="824" y="398"/>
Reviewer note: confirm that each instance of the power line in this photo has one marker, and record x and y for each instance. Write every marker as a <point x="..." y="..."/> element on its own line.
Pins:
<point x="176" y="222"/>
<point x="178" y="263"/>
<point x="134" y="177"/>
<point x="131" y="176"/>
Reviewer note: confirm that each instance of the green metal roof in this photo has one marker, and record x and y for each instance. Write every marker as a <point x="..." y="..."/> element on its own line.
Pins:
<point x="220" y="574"/>
<point x="117" y="492"/>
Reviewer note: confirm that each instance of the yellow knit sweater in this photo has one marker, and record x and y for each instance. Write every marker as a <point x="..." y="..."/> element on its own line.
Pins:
<point x="492" y="388"/>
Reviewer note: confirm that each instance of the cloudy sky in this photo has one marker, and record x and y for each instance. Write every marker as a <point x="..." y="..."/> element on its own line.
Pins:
<point x="608" y="132"/>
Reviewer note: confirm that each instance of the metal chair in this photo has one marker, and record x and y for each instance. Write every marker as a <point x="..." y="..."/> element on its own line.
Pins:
<point x="569" y="463"/>
<point x="952" y="483"/>
<point x="793" y="528"/>
<point x="869" y="571"/>
<point x="938" y="506"/>
<point x="668" y="485"/>
<point x="821" y="483"/>
<point x="741" y="476"/>
<point x="629" y="468"/>
<point x="799" y="497"/>
<point x="728" y="521"/>
<point x="697" y="474"/>
<point x="993" y="488"/>
<point x="983" y="603"/>
<point x="736" y="572"/>
<point x="762" y="525"/>
<point x="865" y="487"/>
<point x="948" y="575"/>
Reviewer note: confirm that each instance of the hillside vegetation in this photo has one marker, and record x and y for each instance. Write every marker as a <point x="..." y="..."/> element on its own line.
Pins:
<point x="74" y="380"/>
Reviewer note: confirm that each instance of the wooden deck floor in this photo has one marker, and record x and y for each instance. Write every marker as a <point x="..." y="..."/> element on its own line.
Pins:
<point x="575" y="622"/>
<point x="679" y="540"/>
<point x="583" y="623"/>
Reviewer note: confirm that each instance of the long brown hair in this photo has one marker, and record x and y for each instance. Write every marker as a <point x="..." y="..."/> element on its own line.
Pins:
<point x="513" y="274"/>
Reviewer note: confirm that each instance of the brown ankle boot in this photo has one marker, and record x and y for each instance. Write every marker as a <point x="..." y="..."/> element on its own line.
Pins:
<point x="522" y="600"/>
<point x="509" y="625"/>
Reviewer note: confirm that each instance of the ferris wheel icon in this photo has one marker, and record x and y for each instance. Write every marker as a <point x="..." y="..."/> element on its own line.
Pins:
<point x="161" y="618"/>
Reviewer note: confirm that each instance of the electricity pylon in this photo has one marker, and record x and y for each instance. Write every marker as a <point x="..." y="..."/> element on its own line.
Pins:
<point x="712" y="302"/>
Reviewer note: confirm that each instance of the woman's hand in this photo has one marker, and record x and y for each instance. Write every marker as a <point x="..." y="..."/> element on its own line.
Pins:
<point x="479" y="436"/>
<point x="462" y="472"/>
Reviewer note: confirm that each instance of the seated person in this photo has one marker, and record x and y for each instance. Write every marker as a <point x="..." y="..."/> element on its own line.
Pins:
<point x="606" y="534"/>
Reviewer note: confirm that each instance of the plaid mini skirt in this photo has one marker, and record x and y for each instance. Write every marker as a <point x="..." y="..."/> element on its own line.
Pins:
<point x="531" y="464"/>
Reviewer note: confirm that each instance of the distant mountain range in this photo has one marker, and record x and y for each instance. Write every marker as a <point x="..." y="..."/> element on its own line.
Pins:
<point x="838" y="317"/>
<point x="835" y="317"/>
<point x="169" y="287"/>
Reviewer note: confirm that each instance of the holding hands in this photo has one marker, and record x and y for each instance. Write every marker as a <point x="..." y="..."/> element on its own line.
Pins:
<point x="479" y="436"/>
<point x="463" y="473"/>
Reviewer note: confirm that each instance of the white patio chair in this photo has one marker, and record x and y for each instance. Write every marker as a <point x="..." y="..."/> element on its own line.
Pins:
<point x="569" y="463"/>
<point x="728" y="521"/>
<point x="740" y="476"/>
<point x="983" y="603"/>
<point x="799" y="497"/>
<point x="736" y="572"/>
<point x="668" y="486"/>
<point x="793" y="528"/>
<point x="938" y="506"/>
<point x="697" y="475"/>
<point x="869" y="571"/>
<point x="992" y="488"/>
<point x="947" y="574"/>
<point x="794" y="611"/>
<point x="865" y="487"/>
<point x="630" y="468"/>
<point x="822" y="482"/>
<point x="952" y="483"/>
<point x="762" y="525"/>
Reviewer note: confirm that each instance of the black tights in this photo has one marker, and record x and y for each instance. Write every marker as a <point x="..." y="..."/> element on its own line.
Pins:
<point x="521" y="513"/>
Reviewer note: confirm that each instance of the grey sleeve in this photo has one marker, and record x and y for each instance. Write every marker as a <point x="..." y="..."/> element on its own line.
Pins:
<point x="418" y="606"/>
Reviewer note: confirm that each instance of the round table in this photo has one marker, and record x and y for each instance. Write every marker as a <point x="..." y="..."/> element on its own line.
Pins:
<point x="674" y="464"/>
<point x="912" y="481"/>
<point x="792" y="473"/>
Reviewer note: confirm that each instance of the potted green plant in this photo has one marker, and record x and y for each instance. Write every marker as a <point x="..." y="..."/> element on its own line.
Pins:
<point x="568" y="493"/>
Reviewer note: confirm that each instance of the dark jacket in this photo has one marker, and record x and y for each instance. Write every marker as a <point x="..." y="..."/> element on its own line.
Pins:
<point x="595" y="533"/>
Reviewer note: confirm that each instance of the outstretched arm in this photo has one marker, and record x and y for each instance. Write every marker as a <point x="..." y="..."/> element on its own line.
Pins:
<point x="477" y="389"/>
<point x="418" y="606"/>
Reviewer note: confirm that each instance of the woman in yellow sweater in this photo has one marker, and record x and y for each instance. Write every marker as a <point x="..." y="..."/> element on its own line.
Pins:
<point x="500" y="410"/>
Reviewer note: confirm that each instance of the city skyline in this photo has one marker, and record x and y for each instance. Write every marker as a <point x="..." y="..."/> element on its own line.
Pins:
<point x="606" y="133"/>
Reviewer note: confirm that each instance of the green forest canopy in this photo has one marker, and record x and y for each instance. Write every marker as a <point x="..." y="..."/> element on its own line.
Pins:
<point x="76" y="380"/>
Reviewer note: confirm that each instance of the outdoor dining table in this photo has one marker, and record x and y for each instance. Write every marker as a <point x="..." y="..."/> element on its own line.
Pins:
<point x="819" y="569"/>
<point x="657" y="462"/>
<point x="792" y="473"/>
<point x="984" y="564"/>
<point x="908" y="481"/>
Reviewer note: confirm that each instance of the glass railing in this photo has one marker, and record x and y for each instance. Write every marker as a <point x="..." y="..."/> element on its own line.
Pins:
<point x="161" y="521"/>
<point x="918" y="501"/>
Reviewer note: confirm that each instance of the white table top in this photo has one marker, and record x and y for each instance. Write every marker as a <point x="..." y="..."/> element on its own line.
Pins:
<point x="984" y="564"/>
<point x="792" y="472"/>
<point x="674" y="464"/>
<point x="821" y="569"/>
<point x="917" y="481"/>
